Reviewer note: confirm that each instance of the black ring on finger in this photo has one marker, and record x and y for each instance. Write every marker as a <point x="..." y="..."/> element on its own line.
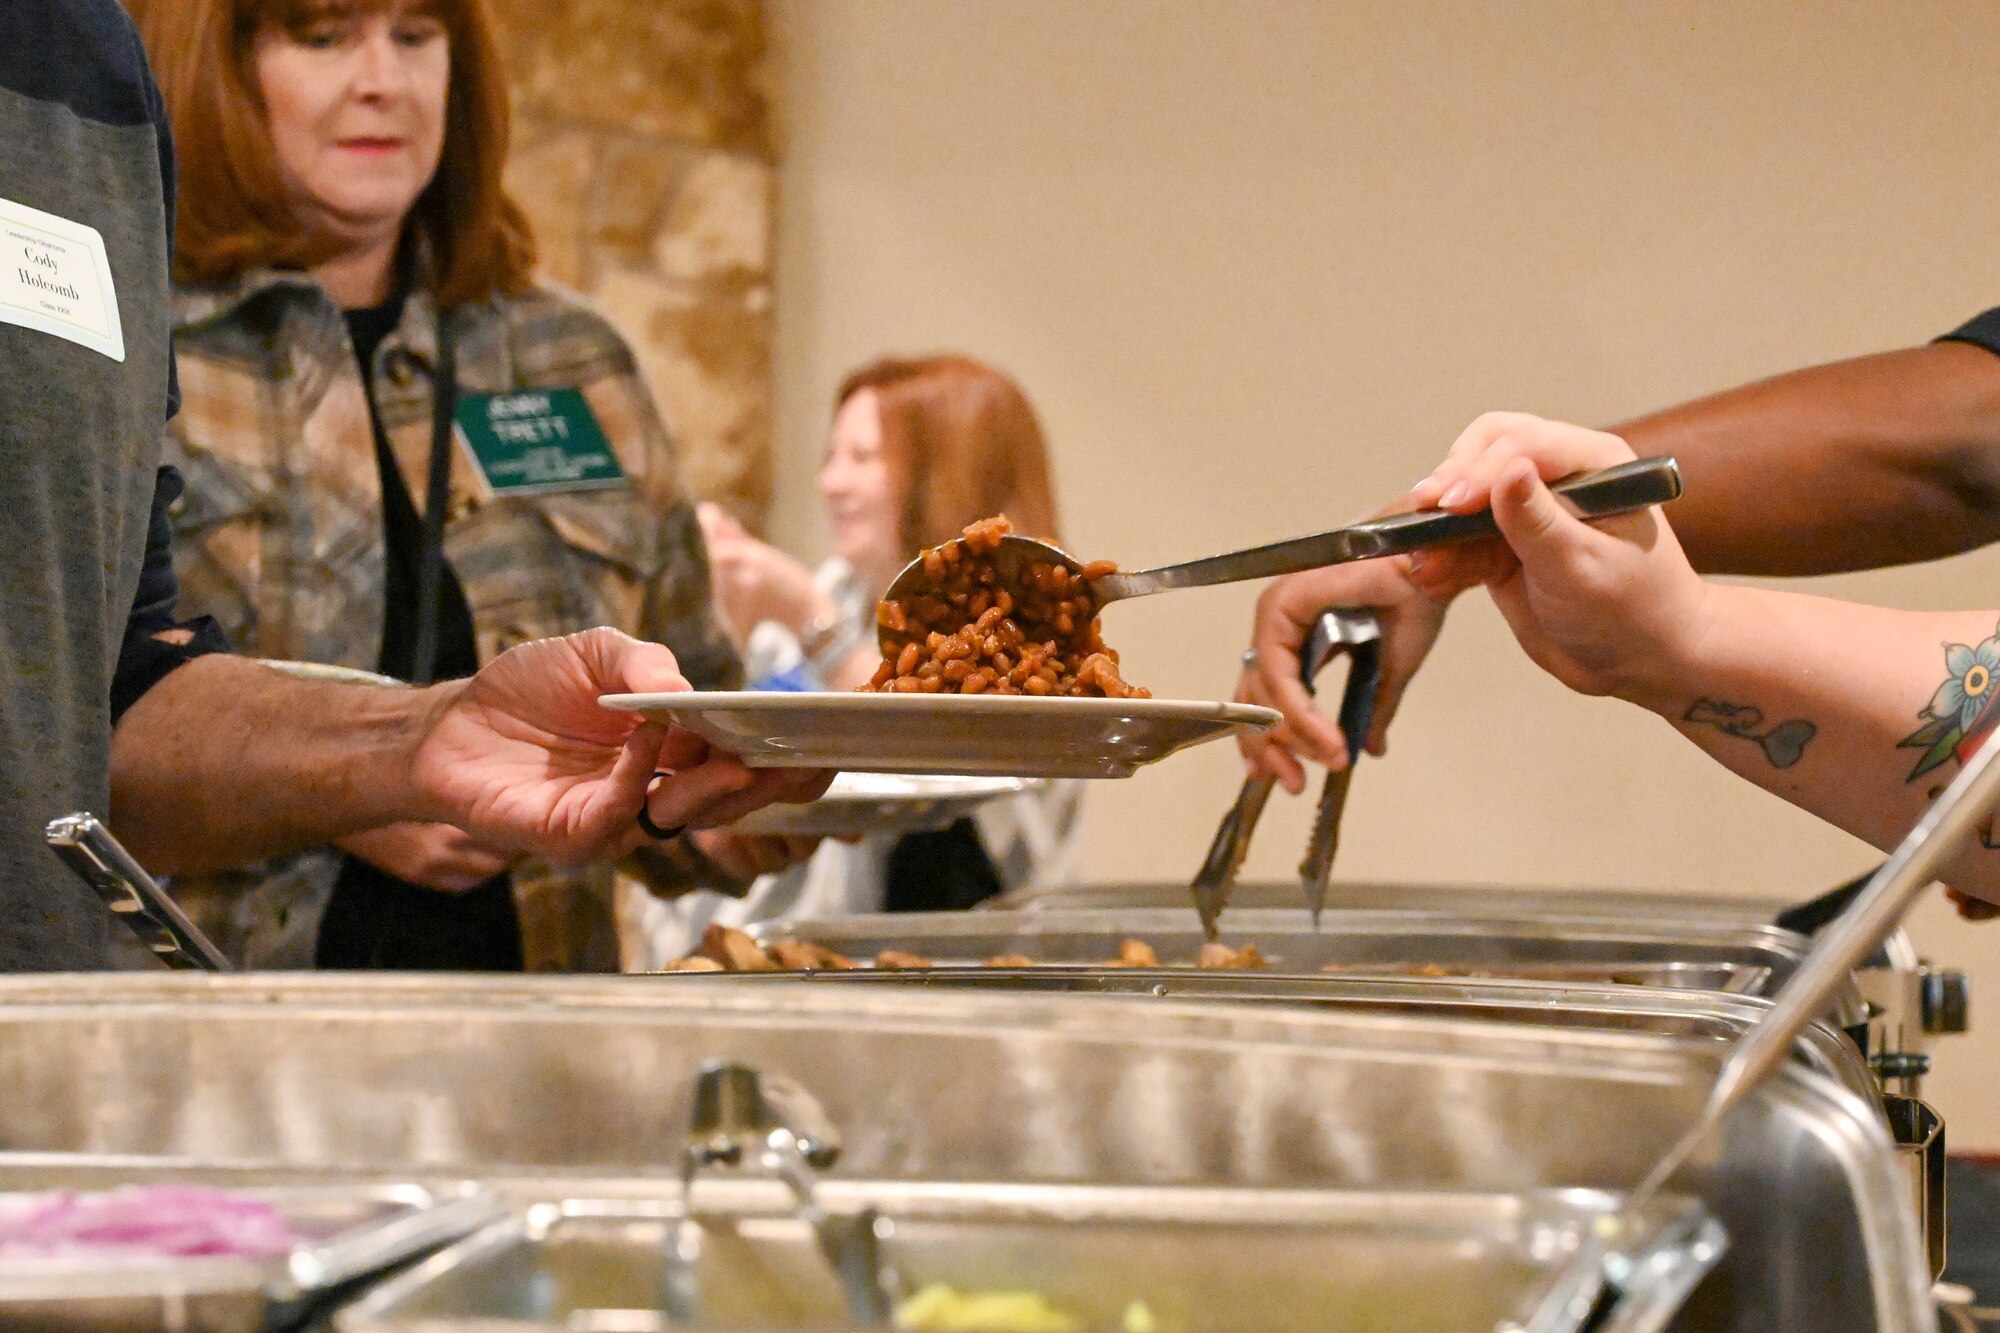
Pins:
<point x="652" y="830"/>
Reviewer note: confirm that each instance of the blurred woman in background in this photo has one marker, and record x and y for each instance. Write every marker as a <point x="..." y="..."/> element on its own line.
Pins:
<point x="919" y="448"/>
<point x="355" y="289"/>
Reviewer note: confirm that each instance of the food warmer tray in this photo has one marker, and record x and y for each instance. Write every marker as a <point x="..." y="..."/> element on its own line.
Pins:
<point x="1216" y="1260"/>
<point x="1743" y="959"/>
<point x="561" y="1087"/>
<point x="1709" y="1015"/>
<point x="1910" y="1001"/>
<point x="348" y="1232"/>
<point x="1455" y="899"/>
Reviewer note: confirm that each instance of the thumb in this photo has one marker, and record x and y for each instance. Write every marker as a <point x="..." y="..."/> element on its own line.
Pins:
<point x="1537" y="527"/>
<point x="621" y="664"/>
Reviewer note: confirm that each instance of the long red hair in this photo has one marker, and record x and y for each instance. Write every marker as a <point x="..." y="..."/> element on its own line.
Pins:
<point x="232" y="215"/>
<point x="962" y="440"/>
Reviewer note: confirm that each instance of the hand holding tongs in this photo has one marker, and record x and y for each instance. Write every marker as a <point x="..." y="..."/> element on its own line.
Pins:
<point x="1337" y="628"/>
<point x="133" y="896"/>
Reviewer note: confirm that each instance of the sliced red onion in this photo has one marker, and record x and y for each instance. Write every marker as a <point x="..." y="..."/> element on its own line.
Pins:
<point x="163" y="1220"/>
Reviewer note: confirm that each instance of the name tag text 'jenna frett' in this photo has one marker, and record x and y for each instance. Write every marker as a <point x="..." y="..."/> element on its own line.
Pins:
<point x="56" y="279"/>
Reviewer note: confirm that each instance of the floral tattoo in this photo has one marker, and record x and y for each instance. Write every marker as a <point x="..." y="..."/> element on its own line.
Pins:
<point x="1784" y="744"/>
<point x="1962" y="711"/>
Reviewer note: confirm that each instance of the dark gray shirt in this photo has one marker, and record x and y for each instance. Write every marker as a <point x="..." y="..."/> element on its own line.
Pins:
<point x="83" y="137"/>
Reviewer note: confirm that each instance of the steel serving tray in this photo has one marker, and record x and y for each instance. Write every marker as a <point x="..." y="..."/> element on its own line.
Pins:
<point x="1216" y="1260"/>
<point x="1748" y="959"/>
<point x="1712" y="1015"/>
<point x="567" y="1085"/>
<point x="347" y="1232"/>
<point x="1455" y="899"/>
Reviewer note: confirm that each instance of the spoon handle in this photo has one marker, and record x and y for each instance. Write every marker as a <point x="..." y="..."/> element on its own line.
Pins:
<point x="1639" y="484"/>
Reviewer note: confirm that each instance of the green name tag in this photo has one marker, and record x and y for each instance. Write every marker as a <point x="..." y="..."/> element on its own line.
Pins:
<point x="535" y="441"/>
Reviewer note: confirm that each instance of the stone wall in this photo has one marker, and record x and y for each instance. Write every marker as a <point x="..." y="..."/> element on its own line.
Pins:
<point x="643" y="154"/>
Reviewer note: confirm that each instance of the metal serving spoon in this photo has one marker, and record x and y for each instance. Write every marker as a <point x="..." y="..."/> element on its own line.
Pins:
<point x="1639" y="484"/>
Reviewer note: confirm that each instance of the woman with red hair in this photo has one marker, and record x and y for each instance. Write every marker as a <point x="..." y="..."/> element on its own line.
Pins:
<point x="920" y="447"/>
<point x="403" y="452"/>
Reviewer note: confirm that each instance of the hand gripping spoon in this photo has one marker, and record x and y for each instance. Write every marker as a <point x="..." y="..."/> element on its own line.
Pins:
<point x="1639" y="484"/>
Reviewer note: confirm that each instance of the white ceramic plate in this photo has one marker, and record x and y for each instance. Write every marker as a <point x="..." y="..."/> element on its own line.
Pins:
<point x="1006" y="736"/>
<point x="859" y="803"/>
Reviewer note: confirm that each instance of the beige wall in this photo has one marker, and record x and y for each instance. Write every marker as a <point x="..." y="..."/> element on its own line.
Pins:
<point x="642" y="155"/>
<point x="1257" y="261"/>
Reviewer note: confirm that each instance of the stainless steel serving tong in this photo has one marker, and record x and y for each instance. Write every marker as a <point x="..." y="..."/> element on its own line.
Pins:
<point x="1338" y="629"/>
<point x="743" y="1116"/>
<point x="133" y="896"/>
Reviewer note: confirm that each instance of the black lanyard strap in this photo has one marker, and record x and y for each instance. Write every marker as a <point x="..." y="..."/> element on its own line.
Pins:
<point x="437" y="501"/>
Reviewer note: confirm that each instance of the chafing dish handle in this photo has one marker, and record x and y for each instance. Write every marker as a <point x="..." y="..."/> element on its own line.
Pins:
<point x="100" y="861"/>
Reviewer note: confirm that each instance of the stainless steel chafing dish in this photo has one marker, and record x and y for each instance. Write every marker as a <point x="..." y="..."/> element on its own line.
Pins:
<point x="1455" y="899"/>
<point x="556" y="1087"/>
<point x="1743" y="959"/>
<point x="1713" y="1015"/>
<point x="1217" y="1260"/>
<point x="1912" y="1000"/>
<point x="1701" y="1015"/>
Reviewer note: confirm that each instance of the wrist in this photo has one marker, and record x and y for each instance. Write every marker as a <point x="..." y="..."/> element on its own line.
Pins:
<point x="1683" y="662"/>
<point x="410" y="787"/>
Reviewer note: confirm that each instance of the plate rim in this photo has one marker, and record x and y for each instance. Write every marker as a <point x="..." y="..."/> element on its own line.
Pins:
<point x="997" y="787"/>
<point x="855" y="701"/>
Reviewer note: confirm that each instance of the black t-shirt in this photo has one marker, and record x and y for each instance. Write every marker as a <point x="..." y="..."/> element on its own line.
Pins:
<point x="1981" y="330"/>
<point x="374" y="919"/>
<point x="403" y="532"/>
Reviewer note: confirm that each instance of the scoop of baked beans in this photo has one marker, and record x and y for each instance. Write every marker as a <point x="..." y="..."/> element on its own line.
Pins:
<point x="968" y="629"/>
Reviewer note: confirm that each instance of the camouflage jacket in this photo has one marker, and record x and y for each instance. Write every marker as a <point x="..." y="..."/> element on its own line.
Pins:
<point x="280" y="536"/>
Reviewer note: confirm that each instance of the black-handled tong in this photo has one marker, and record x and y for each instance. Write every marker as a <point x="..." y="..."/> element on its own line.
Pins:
<point x="1361" y="635"/>
<point x="1338" y="629"/>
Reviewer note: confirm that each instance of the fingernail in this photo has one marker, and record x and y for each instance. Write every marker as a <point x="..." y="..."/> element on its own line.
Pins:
<point x="1415" y="561"/>
<point x="1454" y="493"/>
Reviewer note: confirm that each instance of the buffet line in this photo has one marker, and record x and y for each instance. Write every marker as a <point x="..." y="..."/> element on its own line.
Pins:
<point x="1141" y="1108"/>
<point x="1409" y="1118"/>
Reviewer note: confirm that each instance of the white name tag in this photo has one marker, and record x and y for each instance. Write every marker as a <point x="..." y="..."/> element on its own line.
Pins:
<point x="55" y="279"/>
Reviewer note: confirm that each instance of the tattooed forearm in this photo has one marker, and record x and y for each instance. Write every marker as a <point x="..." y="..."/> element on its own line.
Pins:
<point x="1784" y="744"/>
<point x="1960" y="714"/>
